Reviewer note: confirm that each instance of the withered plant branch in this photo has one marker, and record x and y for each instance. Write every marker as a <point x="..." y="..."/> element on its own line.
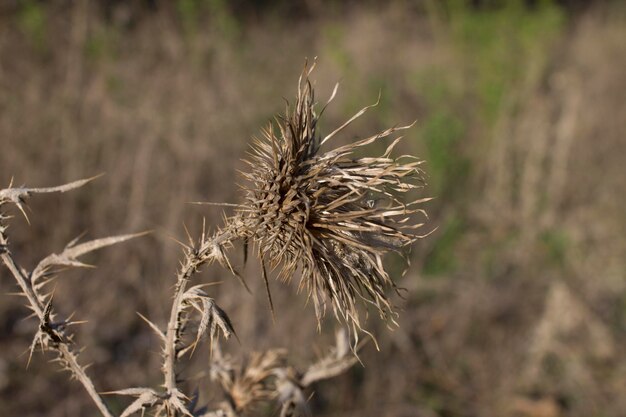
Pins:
<point x="18" y="195"/>
<point x="67" y="355"/>
<point x="208" y="250"/>
<point x="50" y="335"/>
<point x="72" y="251"/>
<point x="265" y="377"/>
<point x="327" y="215"/>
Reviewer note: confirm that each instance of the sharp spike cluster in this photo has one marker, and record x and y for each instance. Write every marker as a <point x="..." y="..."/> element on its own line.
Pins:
<point x="329" y="214"/>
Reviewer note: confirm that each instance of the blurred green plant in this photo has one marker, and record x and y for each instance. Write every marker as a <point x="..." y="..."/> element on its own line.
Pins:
<point x="441" y="259"/>
<point x="101" y="44"/>
<point x="555" y="242"/>
<point x="498" y="44"/>
<point x="494" y="49"/>
<point x="442" y="133"/>
<point x="333" y="35"/>
<point x="188" y="11"/>
<point x="215" y="12"/>
<point x="31" y="19"/>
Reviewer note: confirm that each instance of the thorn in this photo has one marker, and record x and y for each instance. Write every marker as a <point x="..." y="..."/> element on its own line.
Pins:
<point x="185" y="246"/>
<point x="209" y="203"/>
<point x="267" y="289"/>
<point x="33" y="346"/>
<point x="245" y="251"/>
<point x="76" y="323"/>
<point x="188" y="235"/>
<point x="152" y="326"/>
<point x="31" y="315"/>
<point x="21" y="208"/>
<point x="21" y="294"/>
<point x="76" y="239"/>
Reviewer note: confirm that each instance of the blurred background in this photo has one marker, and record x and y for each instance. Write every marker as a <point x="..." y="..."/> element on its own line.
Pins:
<point x="516" y="303"/>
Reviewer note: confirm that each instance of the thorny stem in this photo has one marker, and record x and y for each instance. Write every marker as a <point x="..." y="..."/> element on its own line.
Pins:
<point x="67" y="355"/>
<point x="194" y="259"/>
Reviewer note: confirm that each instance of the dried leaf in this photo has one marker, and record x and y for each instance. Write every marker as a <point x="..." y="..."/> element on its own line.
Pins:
<point x="146" y="398"/>
<point x="71" y="253"/>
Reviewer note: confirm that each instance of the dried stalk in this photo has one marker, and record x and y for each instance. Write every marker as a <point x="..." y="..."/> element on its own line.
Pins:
<point x="208" y="251"/>
<point x="67" y="356"/>
<point x="51" y="335"/>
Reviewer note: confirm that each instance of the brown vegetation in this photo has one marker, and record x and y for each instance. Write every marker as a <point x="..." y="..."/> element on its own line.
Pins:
<point x="306" y="211"/>
<point x="515" y="303"/>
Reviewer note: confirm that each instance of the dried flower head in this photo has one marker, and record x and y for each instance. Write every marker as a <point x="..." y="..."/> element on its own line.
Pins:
<point x="329" y="214"/>
<point x="251" y="382"/>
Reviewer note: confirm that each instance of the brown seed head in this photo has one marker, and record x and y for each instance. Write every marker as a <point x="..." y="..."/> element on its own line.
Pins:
<point x="331" y="215"/>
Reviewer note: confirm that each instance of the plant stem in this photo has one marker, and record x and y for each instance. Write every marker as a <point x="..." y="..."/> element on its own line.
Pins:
<point x="208" y="251"/>
<point x="67" y="355"/>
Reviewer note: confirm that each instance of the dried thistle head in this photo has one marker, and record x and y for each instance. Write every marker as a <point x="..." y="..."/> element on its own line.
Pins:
<point x="329" y="214"/>
<point x="250" y="383"/>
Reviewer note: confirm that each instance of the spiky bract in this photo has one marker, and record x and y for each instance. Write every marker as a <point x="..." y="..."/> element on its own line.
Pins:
<point x="330" y="214"/>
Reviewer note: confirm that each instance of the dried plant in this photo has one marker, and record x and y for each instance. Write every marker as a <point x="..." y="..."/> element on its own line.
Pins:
<point x="53" y="334"/>
<point x="329" y="216"/>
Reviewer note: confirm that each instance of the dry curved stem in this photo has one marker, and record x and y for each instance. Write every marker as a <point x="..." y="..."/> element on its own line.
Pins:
<point x="208" y="250"/>
<point x="145" y="398"/>
<point x="50" y="337"/>
<point x="172" y="401"/>
<point x="18" y="195"/>
<point x="73" y="250"/>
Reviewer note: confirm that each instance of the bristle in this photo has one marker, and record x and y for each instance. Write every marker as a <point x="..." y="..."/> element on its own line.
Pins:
<point x="328" y="214"/>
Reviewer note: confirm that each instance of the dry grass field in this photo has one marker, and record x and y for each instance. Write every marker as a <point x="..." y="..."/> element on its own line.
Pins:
<point x="515" y="302"/>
